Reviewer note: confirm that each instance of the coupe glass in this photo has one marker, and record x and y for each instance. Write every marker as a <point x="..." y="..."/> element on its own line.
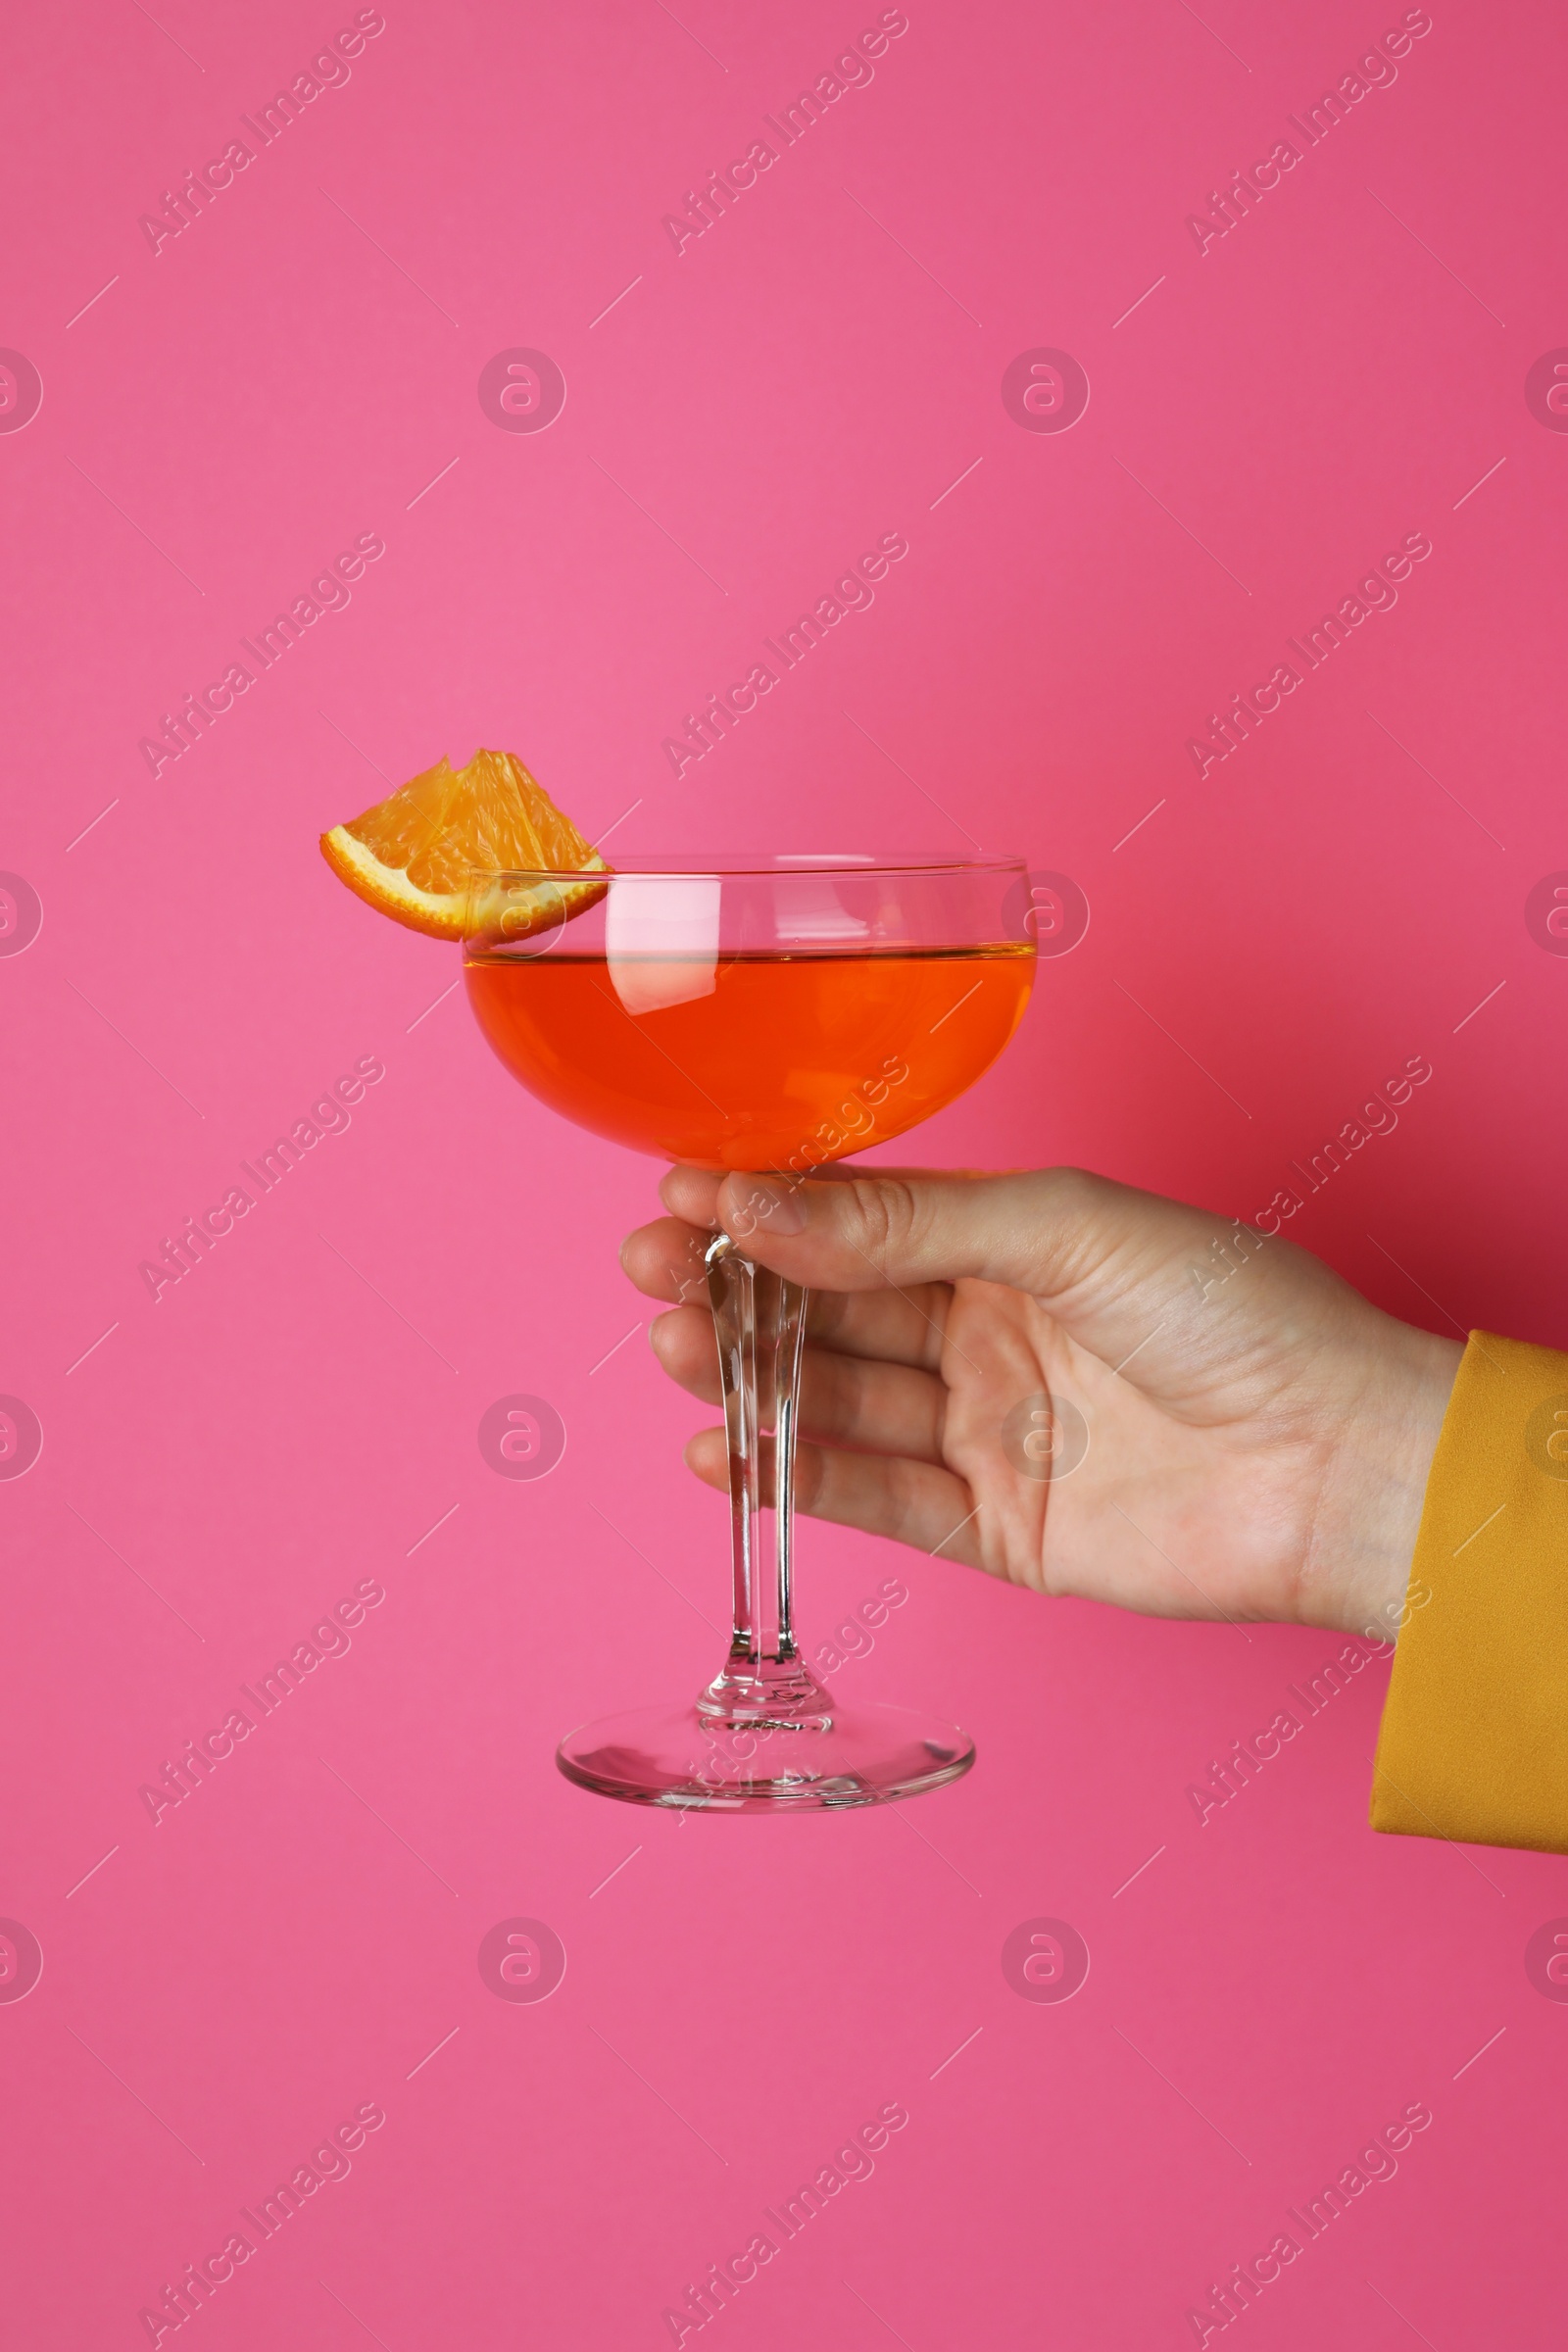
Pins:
<point x="770" y="1015"/>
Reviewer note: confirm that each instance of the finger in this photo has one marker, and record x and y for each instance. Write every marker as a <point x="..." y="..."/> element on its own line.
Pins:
<point x="693" y="1192"/>
<point x="895" y="1327"/>
<point x="871" y="1408"/>
<point x="910" y="1502"/>
<point x="878" y="1409"/>
<point x="684" y="1344"/>
<point x="665" y="1259"/>
<point x="1106" y="1261"/>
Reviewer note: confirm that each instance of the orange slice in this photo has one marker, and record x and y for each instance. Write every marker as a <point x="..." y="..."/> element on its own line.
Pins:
<point x="412" y="854"/>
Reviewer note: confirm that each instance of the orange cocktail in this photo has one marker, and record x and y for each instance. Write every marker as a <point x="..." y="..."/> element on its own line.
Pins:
<point x="771" y="1015"/>
<point x="784" y="1059"/>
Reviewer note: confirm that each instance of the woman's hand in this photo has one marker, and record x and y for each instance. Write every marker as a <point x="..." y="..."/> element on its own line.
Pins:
<point x="1258" y="1436"/>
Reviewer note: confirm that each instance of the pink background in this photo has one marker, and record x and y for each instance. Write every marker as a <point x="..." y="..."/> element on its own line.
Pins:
<point x="219" y="1468"/>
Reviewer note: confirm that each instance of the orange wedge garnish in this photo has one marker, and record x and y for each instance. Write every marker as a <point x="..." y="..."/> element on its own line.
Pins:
<point x="413" y="856"/>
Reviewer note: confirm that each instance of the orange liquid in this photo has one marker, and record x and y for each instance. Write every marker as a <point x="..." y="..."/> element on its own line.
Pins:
<point x="790" y="1060"/>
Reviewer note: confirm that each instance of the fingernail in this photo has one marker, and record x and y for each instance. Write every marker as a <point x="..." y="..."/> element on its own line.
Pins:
<point x="763" y="1204"/>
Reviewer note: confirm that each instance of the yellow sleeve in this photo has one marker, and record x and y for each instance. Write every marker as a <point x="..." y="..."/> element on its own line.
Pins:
<point x="1474" y="1740"/>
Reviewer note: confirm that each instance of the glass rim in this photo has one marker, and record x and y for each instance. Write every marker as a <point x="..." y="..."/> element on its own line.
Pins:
<point x="744" y="866"/>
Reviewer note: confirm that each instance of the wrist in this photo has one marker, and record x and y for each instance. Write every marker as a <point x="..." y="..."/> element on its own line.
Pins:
<point x="1376" y="1486"/>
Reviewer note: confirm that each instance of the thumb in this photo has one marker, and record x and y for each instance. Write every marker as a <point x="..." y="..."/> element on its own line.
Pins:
<point x="1080" y="1244"/>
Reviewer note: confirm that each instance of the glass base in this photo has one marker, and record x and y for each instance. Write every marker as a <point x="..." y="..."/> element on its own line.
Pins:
<point x="689" y="1759"/>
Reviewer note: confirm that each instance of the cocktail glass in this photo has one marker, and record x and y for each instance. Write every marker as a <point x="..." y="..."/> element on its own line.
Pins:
<point x="770" y="1016"/>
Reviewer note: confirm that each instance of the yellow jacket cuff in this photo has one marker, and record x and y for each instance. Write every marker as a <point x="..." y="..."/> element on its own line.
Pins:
<point x="1474" y="1739"/>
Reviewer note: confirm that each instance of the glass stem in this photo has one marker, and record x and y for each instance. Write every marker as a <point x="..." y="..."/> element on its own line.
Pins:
<point x="759" y="1322"/>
